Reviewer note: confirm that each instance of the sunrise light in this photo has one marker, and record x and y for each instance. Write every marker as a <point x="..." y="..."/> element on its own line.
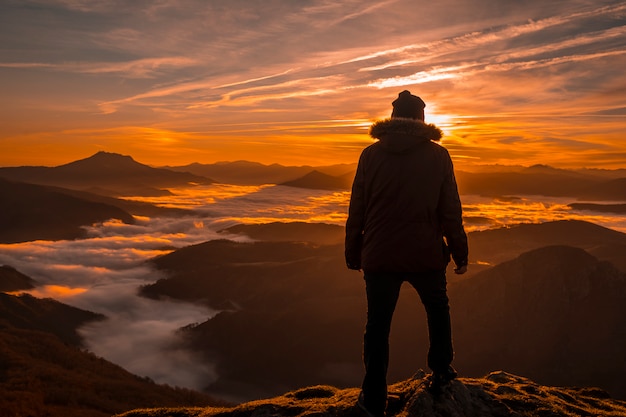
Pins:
<point x="56" y="291"/>
<point x="525" y="75"/>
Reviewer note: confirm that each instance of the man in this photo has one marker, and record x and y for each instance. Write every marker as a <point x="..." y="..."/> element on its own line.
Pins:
<point x="404" y="222"/>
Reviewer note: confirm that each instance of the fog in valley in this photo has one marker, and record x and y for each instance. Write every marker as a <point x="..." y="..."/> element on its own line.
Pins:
<point x="103" y="272"/>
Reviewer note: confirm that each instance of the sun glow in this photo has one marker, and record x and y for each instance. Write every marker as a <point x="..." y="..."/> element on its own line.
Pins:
<point x="445" y="122"/>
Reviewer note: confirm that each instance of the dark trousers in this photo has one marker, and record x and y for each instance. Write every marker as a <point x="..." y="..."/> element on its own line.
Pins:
<point x="383" y="290"/>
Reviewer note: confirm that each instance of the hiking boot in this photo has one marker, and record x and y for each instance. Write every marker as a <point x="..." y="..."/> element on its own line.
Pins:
<point x="438" y="380"/>
<point x="361" y="404"/>
<point x="447" y="375"/>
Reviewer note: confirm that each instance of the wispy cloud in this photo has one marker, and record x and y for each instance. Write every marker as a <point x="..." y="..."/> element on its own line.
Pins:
<point x="140" y="68"/>
<point x="189" y="66"/>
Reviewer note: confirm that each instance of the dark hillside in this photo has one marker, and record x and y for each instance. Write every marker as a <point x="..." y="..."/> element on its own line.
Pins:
<point x="499" y="245"/>
<point x="43" y="372"/>
<point x="535" y="180"/>
<point x="130" y="206"/>
<point x="319" y="181"/>
<point x="31" y="212"/>
<point x="612" y="190"/>
<point x="13" y="280"/>
<point x="320" y="234"/>
<point x="294" y="315"/>
<point x="555" y="313"/>
<point x="46" y="315"/>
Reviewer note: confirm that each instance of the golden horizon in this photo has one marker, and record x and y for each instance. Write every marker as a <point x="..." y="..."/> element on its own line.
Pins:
<point x="519" y="86"/>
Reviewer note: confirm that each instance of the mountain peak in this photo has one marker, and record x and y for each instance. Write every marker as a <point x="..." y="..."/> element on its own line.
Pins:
<point x="115" y="173"/>
<point x="111" y="155"/>
<point x="321" y="181"/>
<point x="104" y="159"/>
<point x="541" y="167"/>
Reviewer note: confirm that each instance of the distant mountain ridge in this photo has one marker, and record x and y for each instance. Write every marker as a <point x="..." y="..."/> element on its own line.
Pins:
<point x="547" y="181"/>
<point x="320" y="181"/>
<point x="583" y="184"/>
<point x="115" y="175"/>
<point x="105" y="173"/>
<point x="254" y="173"/>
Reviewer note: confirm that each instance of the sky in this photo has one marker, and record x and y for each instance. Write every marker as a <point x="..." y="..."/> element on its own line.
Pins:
<point x="171" y="82"/>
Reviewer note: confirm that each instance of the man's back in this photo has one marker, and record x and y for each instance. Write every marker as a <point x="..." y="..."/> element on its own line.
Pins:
<point x="404" y="199"/>
<point x="404" y="202"/>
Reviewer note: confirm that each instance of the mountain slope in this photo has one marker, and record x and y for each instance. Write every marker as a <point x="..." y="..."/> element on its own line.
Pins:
<point x="44" y="372"/>
<point x="321" y="233"/>
<point x="45" y="315"/>
<point x="319" y="181"/>
<point x="498" y="394"/>
<point x="612" y="190"/>
<point x="555" y="313"/>
<point x="254" y="173"/>
<point x="31" y="212"/>
<point x="13" y="280"/>
<point x="544" y="180"/>
<point x="498" y="245"/>
<point x="293" y="315"/>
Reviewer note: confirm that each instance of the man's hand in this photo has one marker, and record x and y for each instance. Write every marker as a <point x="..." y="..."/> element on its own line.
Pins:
<point x="460" y="270"/>
<point x="353" y="266"/>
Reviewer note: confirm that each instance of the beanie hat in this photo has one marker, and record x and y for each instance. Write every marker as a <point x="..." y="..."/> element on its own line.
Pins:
<point x="408" y="106"/>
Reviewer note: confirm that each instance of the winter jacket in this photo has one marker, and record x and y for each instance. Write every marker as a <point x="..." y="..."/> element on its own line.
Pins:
<point x="404" y="202"/>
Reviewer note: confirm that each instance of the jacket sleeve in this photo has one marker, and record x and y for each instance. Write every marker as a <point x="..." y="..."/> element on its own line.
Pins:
<point x="356" y="219"/>
<point x="451" y="217"/>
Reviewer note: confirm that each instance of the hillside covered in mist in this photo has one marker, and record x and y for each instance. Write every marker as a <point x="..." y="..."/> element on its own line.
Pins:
<point x="292" y="315"/>
<point x="540" y="300"/>
<point x="45" y="371"/>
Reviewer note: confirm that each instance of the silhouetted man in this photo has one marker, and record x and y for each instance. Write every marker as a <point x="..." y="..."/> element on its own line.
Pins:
<point x="404" y="223"/>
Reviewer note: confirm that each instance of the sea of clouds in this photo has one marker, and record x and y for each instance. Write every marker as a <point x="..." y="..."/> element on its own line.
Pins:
<point x="103" y="272"/>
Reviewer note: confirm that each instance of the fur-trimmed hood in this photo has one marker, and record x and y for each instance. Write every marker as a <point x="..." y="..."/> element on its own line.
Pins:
<point x="399" y="134"/>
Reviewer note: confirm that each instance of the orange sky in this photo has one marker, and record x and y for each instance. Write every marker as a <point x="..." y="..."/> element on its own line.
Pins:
<point x="174" y="82"/>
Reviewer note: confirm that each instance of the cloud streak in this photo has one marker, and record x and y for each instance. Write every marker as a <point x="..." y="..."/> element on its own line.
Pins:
<point x="187" y="67"/>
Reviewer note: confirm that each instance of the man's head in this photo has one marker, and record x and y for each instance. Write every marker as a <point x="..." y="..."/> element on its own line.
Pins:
<point x="408" y="106"/>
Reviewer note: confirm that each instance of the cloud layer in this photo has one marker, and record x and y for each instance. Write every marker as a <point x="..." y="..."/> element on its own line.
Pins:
<point x="103" y="272"/>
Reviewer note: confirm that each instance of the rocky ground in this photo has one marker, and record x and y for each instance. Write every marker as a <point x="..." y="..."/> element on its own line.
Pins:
<point x="499" y="394"/>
